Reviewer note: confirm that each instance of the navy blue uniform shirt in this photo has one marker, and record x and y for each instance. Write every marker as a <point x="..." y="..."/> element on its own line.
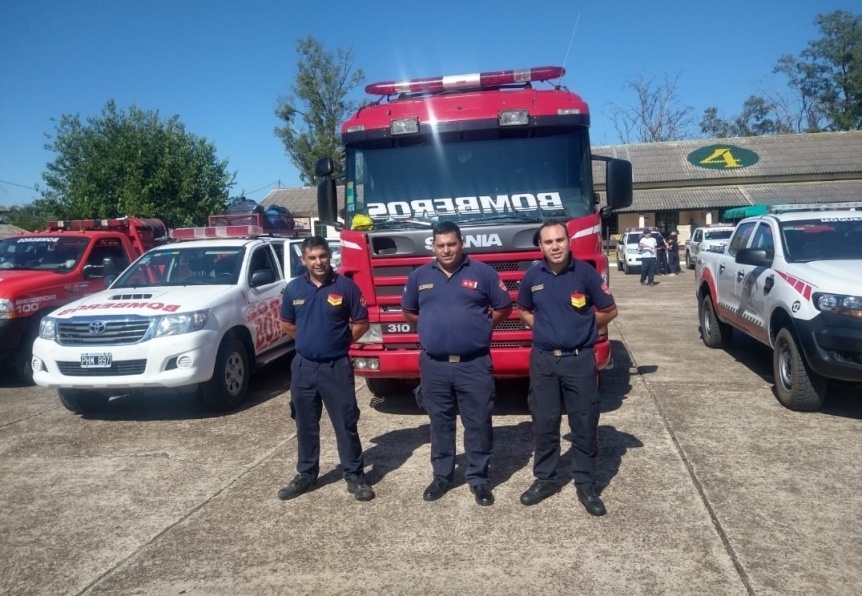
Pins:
<point x="563" y="304"/>
<point x="321" y="315"/>
<point x="453" y="311"/>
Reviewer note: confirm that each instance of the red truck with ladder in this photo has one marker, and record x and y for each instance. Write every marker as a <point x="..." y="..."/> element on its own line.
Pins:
<point x="487" y="151"/>
<point x="70" y="259"/>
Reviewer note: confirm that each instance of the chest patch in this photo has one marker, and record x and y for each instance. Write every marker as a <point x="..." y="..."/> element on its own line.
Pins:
<point x="537" y="288"/>
<point x="335" y="299"/>
<point x="426" y="287"/>
<point x="469" y="284"/>
<point x="579" y="300"/>
<point x="299" y="302"/>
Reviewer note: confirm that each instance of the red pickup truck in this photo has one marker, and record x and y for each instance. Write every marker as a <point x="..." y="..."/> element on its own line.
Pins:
<point x="43" y="270"/>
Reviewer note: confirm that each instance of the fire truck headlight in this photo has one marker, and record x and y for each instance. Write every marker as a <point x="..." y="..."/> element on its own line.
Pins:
<point x="48" y="328"/>
<point x="404" y="126"/>
<point x="374" y="335"/>
<point x="182" y="323"/>
<point x="513" y="118"/>
<point x="838" y="304"/>
<point x="7" y="309"/>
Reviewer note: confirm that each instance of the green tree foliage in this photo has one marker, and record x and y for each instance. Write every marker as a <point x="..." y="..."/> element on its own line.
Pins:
<point x="318" y="104"/>
<point x="133" y="164"/>
<point x="825" y="85"/>
<point x="30" y="217"/>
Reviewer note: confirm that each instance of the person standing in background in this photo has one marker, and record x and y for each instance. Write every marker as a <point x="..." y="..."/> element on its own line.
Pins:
<point x="646" y="246"/>
<point x="673" y="254"/>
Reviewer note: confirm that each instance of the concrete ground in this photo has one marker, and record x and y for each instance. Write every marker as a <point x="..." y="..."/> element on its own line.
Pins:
<point x="712" y="487"/>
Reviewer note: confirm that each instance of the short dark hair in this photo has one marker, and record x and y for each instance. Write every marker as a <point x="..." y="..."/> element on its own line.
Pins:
<point x="315" y="242"/>
<point x="447" y="227"/>
<point x="549" y="224"/>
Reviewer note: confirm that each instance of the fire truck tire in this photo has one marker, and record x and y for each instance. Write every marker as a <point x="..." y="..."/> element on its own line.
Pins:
<point x="24" y="355"/>
<point x="227" y="388"/>
<point x="715" y="334"/>
<point x="82" y="402"/>
<point x="383" y="387"/>
<point x="796" y="386"/>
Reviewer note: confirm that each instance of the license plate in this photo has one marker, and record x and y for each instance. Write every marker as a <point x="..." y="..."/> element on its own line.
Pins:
<point x="102" y="360"/>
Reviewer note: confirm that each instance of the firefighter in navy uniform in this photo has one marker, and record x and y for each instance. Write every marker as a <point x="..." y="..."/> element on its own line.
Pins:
<point x="454" y="302"/>
<point x="565" y="302"/>
<point x="316" y="310"/>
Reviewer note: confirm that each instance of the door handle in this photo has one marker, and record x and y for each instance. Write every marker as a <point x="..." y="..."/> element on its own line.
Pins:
<point x="721" y="268"/>
<point x="740" y="275"/>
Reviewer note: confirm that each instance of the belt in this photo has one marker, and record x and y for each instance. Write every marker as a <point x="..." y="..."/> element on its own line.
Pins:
<point x="562" y="353"/>
<point x="322" y="360"/>
<point x="458" y="357"/>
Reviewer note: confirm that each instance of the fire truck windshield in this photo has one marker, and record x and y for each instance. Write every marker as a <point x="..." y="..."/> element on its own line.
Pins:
<point x="422" y="181"/>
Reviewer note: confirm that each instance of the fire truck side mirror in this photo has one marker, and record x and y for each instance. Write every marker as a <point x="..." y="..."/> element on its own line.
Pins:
<point x="619" y="183"/>
<point x="327" y="200"/>
<point x="323" y="167"/>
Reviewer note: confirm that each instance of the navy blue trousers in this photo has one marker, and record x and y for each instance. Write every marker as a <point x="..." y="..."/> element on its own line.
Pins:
<point x="446" y="389"/>
<point x="331" y="384"/>
<point x="647" y="269"/>
<point x="558" y="385"/>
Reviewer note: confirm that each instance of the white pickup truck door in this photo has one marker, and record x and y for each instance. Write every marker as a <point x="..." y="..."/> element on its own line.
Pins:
<point x="265" y="301"/>
<point x="752" y="283"/>
<point x="730" y="275"/>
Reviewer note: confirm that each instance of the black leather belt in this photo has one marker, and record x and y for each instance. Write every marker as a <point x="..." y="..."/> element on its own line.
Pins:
<point x="562" y="353"/>
<point x="458" y="357"/>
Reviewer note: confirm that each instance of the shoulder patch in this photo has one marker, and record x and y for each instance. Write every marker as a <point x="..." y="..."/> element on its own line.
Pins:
<point x="605" y="288"/>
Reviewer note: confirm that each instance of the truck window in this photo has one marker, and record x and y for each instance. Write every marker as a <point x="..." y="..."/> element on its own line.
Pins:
<point x="740" y="239"/>
<point x="822" y="239"/>
<point x="261" y="259"/>
<point x="763" y="239"/>
<point x="463" y="178"/>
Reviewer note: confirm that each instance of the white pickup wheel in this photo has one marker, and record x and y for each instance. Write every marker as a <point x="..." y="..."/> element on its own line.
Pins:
<point x="797" y="387"/>
<point x="227" y="388"/>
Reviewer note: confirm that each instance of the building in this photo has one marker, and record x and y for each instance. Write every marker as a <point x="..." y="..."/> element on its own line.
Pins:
<point x="682" y="184"/>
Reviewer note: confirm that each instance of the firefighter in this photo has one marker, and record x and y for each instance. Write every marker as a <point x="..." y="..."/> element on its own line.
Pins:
<point x="316" y="310"/>
<point x="566" y="303"/>
<point x="448" y="301"/>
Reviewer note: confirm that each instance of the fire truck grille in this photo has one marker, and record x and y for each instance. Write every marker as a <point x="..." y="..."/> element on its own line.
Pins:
<point x="123" y="367"/>
<point x="510" y="325"/>
<point x="97" y="332"/>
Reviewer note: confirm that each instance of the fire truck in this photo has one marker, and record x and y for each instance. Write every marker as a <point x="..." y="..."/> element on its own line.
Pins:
<point x="490" y="151"/>
<point x="70" y="259"/>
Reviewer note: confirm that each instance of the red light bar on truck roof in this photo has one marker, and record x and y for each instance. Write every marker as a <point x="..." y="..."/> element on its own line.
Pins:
<point x="217" y="232"/>
<point x="79" y="225"/>
<point x="467" y="81"/>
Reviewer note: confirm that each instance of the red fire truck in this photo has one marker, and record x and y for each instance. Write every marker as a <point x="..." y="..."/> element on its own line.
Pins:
<point x="487" y="151"/>
<point x="44" y="270"/>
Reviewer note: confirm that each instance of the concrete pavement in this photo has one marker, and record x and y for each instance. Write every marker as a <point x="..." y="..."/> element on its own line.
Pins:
<point x="711" y="486"/>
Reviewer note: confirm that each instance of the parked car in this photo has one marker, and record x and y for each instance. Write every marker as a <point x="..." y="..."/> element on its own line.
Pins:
<point x="628" y="255"/>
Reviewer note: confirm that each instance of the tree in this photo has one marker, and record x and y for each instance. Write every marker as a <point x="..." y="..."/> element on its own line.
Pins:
<point x="319" y="99"/>
<point x="758" y="118"/>
<point x="133" y="164"/>
<point x="825" y="85"/>
<point x="29" y="217"/>
<point x="656" y="116"/>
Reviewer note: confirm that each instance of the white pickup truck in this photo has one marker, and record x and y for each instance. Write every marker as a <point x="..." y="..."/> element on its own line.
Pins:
<point x="793" y="281"/>
<point x="712" y="238"/>
<point x="198" y="315"/>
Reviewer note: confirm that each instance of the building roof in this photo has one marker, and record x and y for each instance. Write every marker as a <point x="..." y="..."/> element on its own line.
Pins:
<point x="796" y="168"/>
<point x="7" y="230"/>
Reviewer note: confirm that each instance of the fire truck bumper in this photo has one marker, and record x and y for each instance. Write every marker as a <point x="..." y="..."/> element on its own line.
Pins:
<point x="404" y="364"/>
<point x="174" y="361"/>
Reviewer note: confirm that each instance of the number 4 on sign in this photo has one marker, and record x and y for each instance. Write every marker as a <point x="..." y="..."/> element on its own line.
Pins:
<point x="724" y="155"/>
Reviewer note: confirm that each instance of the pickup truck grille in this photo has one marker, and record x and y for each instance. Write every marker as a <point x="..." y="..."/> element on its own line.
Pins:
<point x="124" y="367"/>
<point x="92" y="331"/>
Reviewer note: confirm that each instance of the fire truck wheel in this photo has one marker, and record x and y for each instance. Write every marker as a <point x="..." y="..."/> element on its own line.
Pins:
<point x="383" y="387"/>
<point x="227" y="388"/>
<point x="80" y="401"/>
<point x="24" y="355"/>
<point x="797" y="387"/>
<point x="715" y="334"/>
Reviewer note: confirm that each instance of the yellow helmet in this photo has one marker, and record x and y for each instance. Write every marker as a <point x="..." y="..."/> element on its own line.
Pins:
<point x="362" y="222"/>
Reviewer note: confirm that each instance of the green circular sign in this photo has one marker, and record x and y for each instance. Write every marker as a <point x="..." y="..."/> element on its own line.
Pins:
<point x="722" y="157"/>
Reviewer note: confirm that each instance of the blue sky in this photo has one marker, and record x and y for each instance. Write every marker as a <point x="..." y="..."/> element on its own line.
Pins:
<point x="221" y="65"/>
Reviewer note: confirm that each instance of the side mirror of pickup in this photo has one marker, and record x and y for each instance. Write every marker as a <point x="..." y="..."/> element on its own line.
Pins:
<point x="262" y="277"/>
<point x="753" y="256"/>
